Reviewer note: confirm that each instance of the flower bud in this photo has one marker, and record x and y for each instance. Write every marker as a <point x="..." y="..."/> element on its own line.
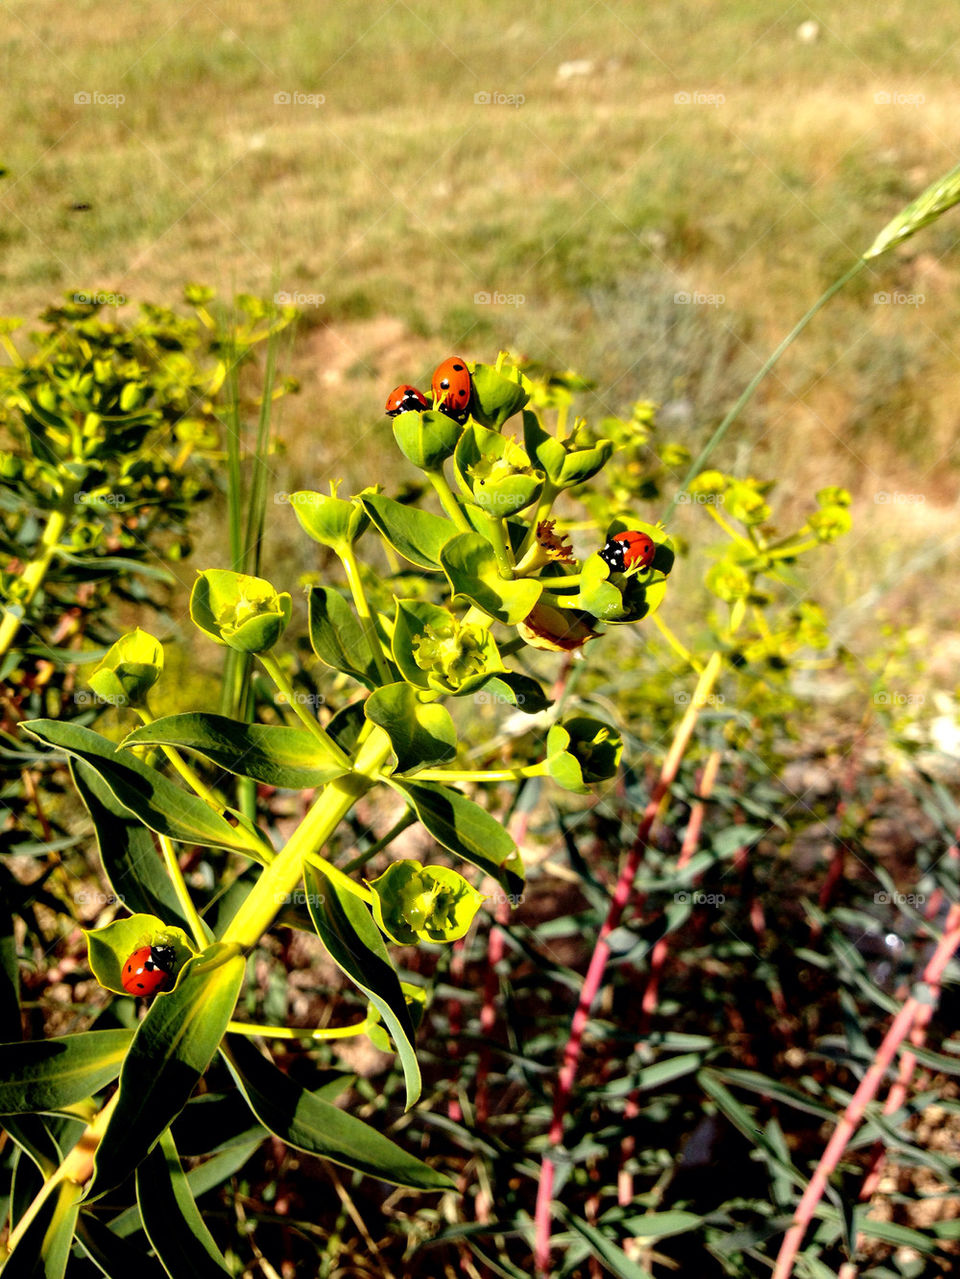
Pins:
<point x="241" y="612"/>
<point x="129" y="670"/>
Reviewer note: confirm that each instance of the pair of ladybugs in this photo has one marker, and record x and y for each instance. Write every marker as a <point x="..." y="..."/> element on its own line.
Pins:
<point x="451" y="386"/>
<point x="149" y="970"/>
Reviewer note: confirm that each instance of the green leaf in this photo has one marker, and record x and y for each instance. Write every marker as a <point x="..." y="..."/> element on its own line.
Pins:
<point x="582" y="750"/>
<point x="242" y="612"/>
<point x="158" y="802"/>
<point x="497" y="396"/>
<point x="517" y="690"/>
<point x="110" y="947"/>
<point x="471" y="568"/>
<point x="466" y="829"/>
<point x="421" y="734"/>
<point x="353" y="941"/>
<point x="427" y="438"/>
<point x="43" y="1250"/>
<point x="337" y="637"/>
<point x="609" y="1253"/>
<point x="171" y="1050"/>
<point x="330" y="520"/>
<point x="435" y="650"/>
<point x="416" y="535"/>
<point x="412" y="903"/>
<point x="128" y="850"/>
<point x="305" y="1121"/>
<point x="272" y="754"/>
<point x="659" y="1225"/>
<point x="49" y="1074"/>
<point x="129" y="670"/>
<point x="171" y="1220"/>
<point x="112" y="1254"/>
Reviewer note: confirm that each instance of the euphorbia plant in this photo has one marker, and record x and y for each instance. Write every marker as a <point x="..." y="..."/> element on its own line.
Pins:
<point x="495" y="577"/>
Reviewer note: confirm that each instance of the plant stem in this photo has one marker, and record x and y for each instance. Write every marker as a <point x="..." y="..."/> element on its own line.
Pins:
<point x="33" y="573"/>
<point x="478" y="775"/>
<point x="544" y="507"/>
<point x="349" y="561"/>
<point x="292" y="1032"/>
<point x="697" y="465"/>
<point x="278" y="675"/>
<point x="448" y="501"/>
<point x="731" y="532"/>
<point x="355" y="863"/>
<point x="675" y="643"/>
<point x="899" y="1029"/>
<point x="601" y="952"/>
<point x="183" y="768"/>
<point x="505" y="561"/>
<point x="201" y="934"/>
<point x="278" y="880"/>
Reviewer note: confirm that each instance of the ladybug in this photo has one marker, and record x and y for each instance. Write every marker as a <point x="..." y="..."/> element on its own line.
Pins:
<point x="452" y="388"/>
<point x="628" y="550"/>
<point x="405" y="399"/>
<point x="148" y="970"/>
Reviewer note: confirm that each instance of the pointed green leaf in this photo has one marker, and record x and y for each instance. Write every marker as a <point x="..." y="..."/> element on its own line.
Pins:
<point x="171" y="1049"/>
<point x="337" y="637"/>
<point x="309" y="1123"/>
<point x="613" y="1256"/>
<point x="269" y="753"/>
<point x="420" y="733"/>
<point x="465" y="829"/>
<point x="426" y="438"/>
<point x="48" y="1074"/>
<point x="517" y="690"/>
<point x="128" y="851"/>
<point x="147" y="794"/>
<point x="171" y="1219"/>
<point x="112" y="1254"/>
<point x="416" y="535"/>
<point x="497" y="395"/>
<point x="346" y="928"/>
<point x="471" y="568"/>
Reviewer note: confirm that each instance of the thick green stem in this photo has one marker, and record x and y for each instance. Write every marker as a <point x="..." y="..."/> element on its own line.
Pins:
<point x="698" y="464"/>
<point x="183" y="768"/>
<point x="294" y="1032"/>
<point x="32" y="575"/>
<point x="349" y="560"/>
<point x="499" y="542"/>
<point x="200" y="934"/>
<point x="544" y="507"/>
<point x="284" y="873"/>
<point x="278" y="675"/>
<point x="480" y="774"/>
<point x="448" y="501"/>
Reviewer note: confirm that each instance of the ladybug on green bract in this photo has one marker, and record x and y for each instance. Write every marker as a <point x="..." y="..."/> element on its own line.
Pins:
<point x="628" y="550"/>
<point x="452" y="388"/>
<point x="149" y="970"/>
<point x="405" y="399"/>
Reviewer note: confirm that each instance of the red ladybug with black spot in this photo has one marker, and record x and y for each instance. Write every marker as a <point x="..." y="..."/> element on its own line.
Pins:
<point x="405" y="399"/>
<point x="149" y="970"/>
<point x="628" y="550"/>
<point x="452" y="388"/>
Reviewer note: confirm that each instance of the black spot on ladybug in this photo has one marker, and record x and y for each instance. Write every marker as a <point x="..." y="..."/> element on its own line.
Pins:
<point x="445" y="384"/>
<point x="458" y="368"/>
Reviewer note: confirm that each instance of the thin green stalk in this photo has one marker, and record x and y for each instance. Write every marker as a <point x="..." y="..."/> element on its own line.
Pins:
<point x="200" y="934"/>
<point x="505" y="562"/>
<point x="675" y="643"/>
<point x="479" y="775"/>
<point x="355" y="863"/>
<point x="349" y="561"/>
<point x="697" y="465"/>
<point x="544" y="507"/>
<point x="195" y="783"/>
<point x="448" y="501"/>
<point x="278" y="880"/>
<point x="32" y="575"/>
<point x="729" y="530"/>
<point x="278" y="675"/>
<point x="293" y="1032"/>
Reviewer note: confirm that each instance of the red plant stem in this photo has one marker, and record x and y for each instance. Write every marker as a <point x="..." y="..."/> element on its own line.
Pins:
<point x="601" y="952"/>
<point x="905" y="1019"/>
<point x="455" y="1021"/>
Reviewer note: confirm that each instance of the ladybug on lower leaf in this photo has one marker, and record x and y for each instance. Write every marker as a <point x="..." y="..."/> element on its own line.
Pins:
<point x="628" y="550"/>
<point x="405" y="399"/>
<point x="149" y="970"/>
<point x="452" y="387"/>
